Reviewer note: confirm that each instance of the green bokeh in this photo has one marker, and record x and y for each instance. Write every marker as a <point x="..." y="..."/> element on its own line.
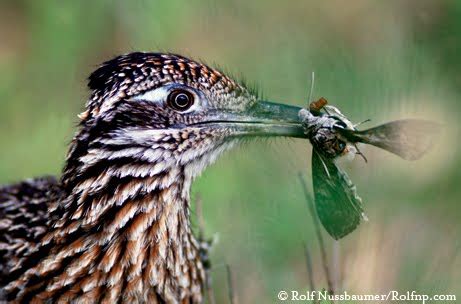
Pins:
<point x="373" y="59"/>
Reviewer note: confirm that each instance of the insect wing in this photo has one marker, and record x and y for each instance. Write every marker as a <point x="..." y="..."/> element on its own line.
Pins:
<point x="334" y="111"/>
<point x="338" y="205"/>
<point x="408" y="138"/>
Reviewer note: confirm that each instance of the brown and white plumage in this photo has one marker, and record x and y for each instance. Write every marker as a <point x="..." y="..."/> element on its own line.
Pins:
<point x="115" y="228"/>
<point x="23" y="218"/>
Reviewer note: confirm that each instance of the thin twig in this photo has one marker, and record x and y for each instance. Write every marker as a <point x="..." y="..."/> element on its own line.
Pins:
<point x="209" y="288"/>
<point x="201" y="238"/>
<point x="230" y="284"/>
<point x="311" y="91"/>
<point x="336" y="260"/>
<point x="310" y="271"/>
<point x="310" y="205"/>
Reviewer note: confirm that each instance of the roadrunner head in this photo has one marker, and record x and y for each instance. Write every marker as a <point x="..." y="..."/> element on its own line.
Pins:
<point x="170" y="108"/>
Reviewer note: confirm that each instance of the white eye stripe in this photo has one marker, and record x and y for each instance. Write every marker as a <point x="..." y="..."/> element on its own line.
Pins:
<point x="157" y="95"/>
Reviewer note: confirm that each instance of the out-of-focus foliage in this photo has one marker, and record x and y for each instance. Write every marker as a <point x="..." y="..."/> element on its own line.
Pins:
<point x="373" y="59"/>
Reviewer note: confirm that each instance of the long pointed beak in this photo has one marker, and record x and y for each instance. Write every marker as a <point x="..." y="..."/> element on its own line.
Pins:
<point x="263" y="119"/>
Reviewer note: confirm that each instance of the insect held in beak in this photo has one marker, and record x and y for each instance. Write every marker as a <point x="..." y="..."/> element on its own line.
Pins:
<point x="334" y="136"/>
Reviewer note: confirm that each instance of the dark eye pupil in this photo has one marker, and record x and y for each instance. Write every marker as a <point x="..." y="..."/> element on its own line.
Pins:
<point x="182" y="100"/>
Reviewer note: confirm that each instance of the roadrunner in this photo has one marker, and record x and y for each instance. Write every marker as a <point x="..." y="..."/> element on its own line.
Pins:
<point x="115" y="227"/>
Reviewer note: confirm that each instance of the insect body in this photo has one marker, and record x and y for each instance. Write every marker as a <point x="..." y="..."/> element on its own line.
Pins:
<point x="323" y="135"/>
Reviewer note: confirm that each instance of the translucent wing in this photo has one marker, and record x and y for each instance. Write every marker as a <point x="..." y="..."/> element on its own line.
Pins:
<point x="338" y="205"/>
<point x="408" y="138"/>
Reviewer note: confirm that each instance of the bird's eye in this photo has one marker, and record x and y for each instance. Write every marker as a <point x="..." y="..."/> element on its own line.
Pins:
<point x="180" y="100"/>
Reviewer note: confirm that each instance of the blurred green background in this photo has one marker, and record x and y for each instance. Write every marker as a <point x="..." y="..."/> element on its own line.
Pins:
<point x="373" y="59"/>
